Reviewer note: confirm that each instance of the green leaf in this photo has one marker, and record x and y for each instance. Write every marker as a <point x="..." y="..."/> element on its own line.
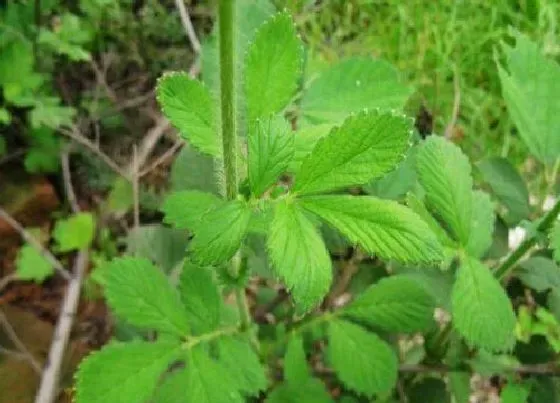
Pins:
<point x="353" y="85"/>
<point x="311" y="390"/>
<point x="365" y="147"/>
<point x="219" y="233"/>
<point x="186" y="208"/>
<point x="539" y="273"/>
<point x="417" y="205"/>
<point x="140" y="293"/>
<point x="75" y="232"/>
<point x="299" y="255"/>
<point x="272" y="67"/>
<point x="361" y="360"/>
<point x="271" y="147"/>
<point x="482" y="224"/>
<point x="305" y="140"/>
<point x="381" y="227"/>
<point x="508" y="186"/>
<point x="243" y="365"/>
<point x="31" y="265"/>
<point x="201" y="297"/>
<point x="530" y="88"/>
<point x="192" y="170"/>
<point x="429" y="388"/>
<point x="445" y="173"/>
<point x="123" y="372"/>
<point x="395" y="304"/>
<point x="189" y="106"/>
<point x="172" y="388"/>
<point x="460" y="386"/>
<point x="296" y="369"/>
<point x="206" y="381"/>
<point x="482" y="311"/>
<point x="515" y="393"/>
<point x="555" y="241"/>
<point x="5" y="119"/>
<point x="163" y="246"/>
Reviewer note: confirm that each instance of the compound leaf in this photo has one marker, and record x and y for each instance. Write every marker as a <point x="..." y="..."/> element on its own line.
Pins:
<point x="353" y="85"/>
<point x="201" y="297"/>
<point x="395" y="304"/>
<point x="271" y="147"/>
<point x="299" y="255"/>
<point x="32" y="265"/>
<point x="272" y="67"/>
<point x="123" y="372"/>
<point x="140" y="293"/>
<point x="445" y="173"/>
<point x="219" y="233"/>
<point x="75" y="232"/>
<point x="189" y="106"/>
<point x="381" y="227"/>
<point x="185" y="209"/>
<point x="365" y="147"/>
<point x="362" y="361"/>
<point x="482" y="224"/>
<point x="482" y="311"/>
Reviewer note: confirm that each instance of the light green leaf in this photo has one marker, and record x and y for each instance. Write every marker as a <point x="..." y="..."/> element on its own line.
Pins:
<point x="515" y="393"/>
<point x="351" y="86"/>
<point x="189" y="106"/>
<point x="305" y="140"/>
<point x="140" y="293"/>
<point x="508" y="186"/>
<point x="201" y="297"/>
<point x="192" y="170"/>
<point x="272" y="67"/>
<point x="395" y="304"/>
<point x="397" y="183"/>
<point x="531" y="87"/>
<point x="445" y="173"/>
<point x="381" y="227"/>
<point x="220" y="232"/>
<point x="271" y="147"/>
<point x="311" y="390"/>
<point x="243" y="365"/>
<point x="460" y="386"/>
<point x="172" y="388"/>
<point x="361" y="360"/>
<point x="482" y="312"/>
<point x="365" y="147"/>
<point x="206" y="381"/>
<point x="75" y="232"/>
<point x="417" y="205"/>
<point x="482" y="224"/>
<point x="299" y="255"/>
<point x="186" y="208"/>
<point x="539" y="273"/>
<point x="123" y="372"/>
<point x="31" y="265"/>
<point x="296" y="369"/>
<point x="555" y="241"/>
<point x="436" y="282"/>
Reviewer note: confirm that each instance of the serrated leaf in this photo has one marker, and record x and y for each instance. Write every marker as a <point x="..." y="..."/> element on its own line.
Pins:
<point x="311" y="390"/>
<point x="123" y="372"/>
<point x="482" y="311"/>
<point x="360" y="359"/>
<point x="539" y="273"/>
<point x="555" y="241"/>
<point x="350" y="86"/>
<point x="32" y="265"/>
<point x="515" y="393"/>
<point x="186" y="208"/>
<point x="190" y="108"/>
<point x="192" y="170"/>
<point x="508" y="186"/>
<point x="397" y="183"/>
<point x="436" y="282"/>
<point x="219" y="233"/>
<point x="395" y="304"/>
<point x="272" y="67"/>
<point x="381" y="227"/>
<point x="75" y="232"/>
<point x="482" y="224"/>
<point x="296" y="369"/>
<point x="299" y="255"/>
<point x="140" y="293"/>
<point x="365" y="147"/>
<point x="271" y="147"/>
<point x="445" y="173"/>
<point x="201" y="297"/>
<point x="417" y="205"/>
<point x="305" y="140"/>
<point x="530" y="88"/>
<point x="243" y="365"/>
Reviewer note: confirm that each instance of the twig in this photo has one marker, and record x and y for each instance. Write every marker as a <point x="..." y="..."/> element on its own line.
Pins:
<point x="188" y="26"/>
<point x="49" y="381"/>
<point x="7" y="280"/>
<point x="349" y="268"/>
<point x="15" y="354"/>
<point x="148" y="143"/>
<point x="136" y="188"/>
<point x="163" y="157"/>
<point x="11" y="333"/>
<point x="35" y="243"/>
<point x="456" y="104"/>
<point x="65" y="163"/>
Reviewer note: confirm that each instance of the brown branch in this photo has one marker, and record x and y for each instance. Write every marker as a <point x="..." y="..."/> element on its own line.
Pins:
<point x="188" y="26"/>
<point x="456" y="104"/>
<point x="163" y="157"/>
<point x="349" y="269"/>
<point x="65" y="163"/>
<point x="12" y="335"/>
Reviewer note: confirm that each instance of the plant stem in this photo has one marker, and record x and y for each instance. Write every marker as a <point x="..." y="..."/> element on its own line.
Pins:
<point x="507" y="265"/>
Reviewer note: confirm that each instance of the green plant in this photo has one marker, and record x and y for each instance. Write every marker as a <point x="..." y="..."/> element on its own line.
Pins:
<point x="284" y="160"/>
